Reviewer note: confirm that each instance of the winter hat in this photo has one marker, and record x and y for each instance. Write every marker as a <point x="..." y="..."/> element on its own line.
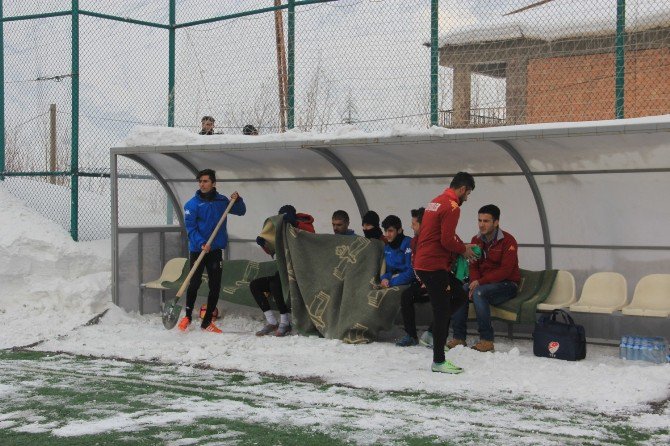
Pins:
<point x="287" y="209"/>
<point x="371" y="218"/>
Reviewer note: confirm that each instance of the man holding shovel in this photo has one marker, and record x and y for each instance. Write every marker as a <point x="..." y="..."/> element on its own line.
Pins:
<point x="201" y="217"/>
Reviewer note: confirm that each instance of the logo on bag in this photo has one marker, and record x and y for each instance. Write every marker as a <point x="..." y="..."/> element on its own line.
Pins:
<point x="553" y="348"/>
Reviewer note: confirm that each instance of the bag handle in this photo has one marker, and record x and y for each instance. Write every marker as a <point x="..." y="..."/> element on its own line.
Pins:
<point x="566" y="316"/>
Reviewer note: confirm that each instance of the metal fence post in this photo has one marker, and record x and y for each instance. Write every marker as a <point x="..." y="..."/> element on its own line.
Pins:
<point x="620" y="70"/>
<point x="291" y="64"/>
<point x="434" y="62"/>
<point x="171" y="62"/>
<point x="2" y="95"/>
<point x="171" y="77"/>
<point x="74" y="156"/>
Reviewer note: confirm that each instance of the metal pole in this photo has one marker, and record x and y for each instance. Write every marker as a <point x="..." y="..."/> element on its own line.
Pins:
<point x="74" y="156"/>
<point x="2" y="96"/>
<point x="291" y="64"/>
<point x="172" y="39"/>
<point x="171" y="62"/>
<point x="52" y="142"/>
<point x="620" y="69"/>
<point x="434" y="52"/>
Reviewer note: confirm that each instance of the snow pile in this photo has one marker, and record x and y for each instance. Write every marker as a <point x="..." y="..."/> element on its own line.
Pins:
<point x="144" y="136"/>
<point x="168" y="136"/>
<point x="48" y="283"/>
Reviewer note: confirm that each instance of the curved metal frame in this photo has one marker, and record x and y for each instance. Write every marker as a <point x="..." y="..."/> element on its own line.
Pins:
<point x="349" y="177"/>
<point x="537" y="195"/>
<point x="184" y="162"/>
<point x="160" y="179"/>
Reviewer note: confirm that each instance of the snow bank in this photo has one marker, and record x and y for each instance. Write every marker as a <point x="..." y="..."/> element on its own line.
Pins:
<point x="48" y="283"/>
<point x="144" y="136"/>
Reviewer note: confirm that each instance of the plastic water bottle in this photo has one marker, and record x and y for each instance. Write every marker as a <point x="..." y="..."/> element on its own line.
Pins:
<point x="629" y="348"/>
<point x="637" y="346"/>
<point x="623" y="348"/>
<point x="646" y="350"/>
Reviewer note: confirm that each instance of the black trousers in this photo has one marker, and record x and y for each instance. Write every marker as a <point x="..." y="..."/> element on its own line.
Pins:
<point x="211" y="262"/>
<point x="271" y="285"/>
<point x="446" y="296"/>
<point x="414" y="294"/>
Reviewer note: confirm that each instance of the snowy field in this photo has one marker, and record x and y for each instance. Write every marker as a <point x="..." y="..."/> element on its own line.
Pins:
<point x="128" y="380"/>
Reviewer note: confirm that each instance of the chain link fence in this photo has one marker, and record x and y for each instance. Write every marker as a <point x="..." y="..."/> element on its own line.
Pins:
<point x="369" y="63"/>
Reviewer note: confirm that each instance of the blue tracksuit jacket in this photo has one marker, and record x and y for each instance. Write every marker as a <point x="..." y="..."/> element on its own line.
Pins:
<point x="201" y="217"/>
<point x="399" y="263"/>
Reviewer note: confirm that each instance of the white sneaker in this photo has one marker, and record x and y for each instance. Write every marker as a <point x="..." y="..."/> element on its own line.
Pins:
<point x="426" y="339"/>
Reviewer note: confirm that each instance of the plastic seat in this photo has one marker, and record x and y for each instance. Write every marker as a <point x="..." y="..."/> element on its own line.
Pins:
<point x="562" y="294"/>
<point x="602" y="293"/>
<point x="651" y="297"/>
<point x="172" y="271"/>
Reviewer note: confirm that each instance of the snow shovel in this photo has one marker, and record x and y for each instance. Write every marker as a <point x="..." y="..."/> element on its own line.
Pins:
<point x="171" y="310"/>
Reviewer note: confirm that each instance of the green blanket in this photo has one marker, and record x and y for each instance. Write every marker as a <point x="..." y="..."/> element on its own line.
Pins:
<point x="534" y="289"/>
<point x="333" y="283"/>
<point x="234" y="281"/>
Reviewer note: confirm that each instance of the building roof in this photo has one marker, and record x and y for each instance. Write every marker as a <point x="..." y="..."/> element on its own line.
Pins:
<point x="561" y="19"/>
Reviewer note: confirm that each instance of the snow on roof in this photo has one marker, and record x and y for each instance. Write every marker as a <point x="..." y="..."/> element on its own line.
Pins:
<point x="145" y="136"/>
<point x="562" y="19"/>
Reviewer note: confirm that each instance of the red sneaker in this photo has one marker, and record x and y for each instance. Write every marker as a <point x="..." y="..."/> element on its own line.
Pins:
<point x="184" y="323"/>
<point x="213" y="328"/>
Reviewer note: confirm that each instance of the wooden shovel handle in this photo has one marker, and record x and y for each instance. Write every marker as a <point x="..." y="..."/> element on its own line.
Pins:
<point x="184" y="285"/>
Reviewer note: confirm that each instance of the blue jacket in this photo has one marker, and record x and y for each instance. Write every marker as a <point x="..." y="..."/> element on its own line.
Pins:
<point x="399" y="263"/>
<point x="201" y="217"/>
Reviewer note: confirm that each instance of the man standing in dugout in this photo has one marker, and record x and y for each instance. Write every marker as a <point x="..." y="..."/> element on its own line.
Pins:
<point x="201" y="215"/>
<point x="437" y="249"/>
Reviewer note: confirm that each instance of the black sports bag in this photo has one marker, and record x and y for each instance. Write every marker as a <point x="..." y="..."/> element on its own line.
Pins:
<point x="560" y="340"/>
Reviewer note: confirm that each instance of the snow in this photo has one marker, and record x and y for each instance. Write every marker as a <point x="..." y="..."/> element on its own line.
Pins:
<point x="145" y="136"/>
<point x="50" y="286"/>
<point x="48" y="283"/>
<point x="562" y="19"/>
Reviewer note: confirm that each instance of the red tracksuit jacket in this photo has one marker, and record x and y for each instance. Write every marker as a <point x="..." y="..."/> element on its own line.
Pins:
<point x="499" y="260"/>
<point x="438" y="244"/>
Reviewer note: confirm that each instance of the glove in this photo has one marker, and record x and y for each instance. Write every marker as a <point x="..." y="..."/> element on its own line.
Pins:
<point x="260" y="241"/>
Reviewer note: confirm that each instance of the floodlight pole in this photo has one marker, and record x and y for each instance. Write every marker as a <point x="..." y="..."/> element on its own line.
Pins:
<point x="434" y="52"/>
<point x="74" y="152"/>
<point x="620" y="69"/>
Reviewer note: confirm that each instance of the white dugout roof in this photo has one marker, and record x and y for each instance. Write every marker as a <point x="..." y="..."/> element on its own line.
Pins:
<point x="585" y="197"/>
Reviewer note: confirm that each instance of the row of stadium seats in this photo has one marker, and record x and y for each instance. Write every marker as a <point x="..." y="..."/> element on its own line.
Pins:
<point x="606" y="292"/>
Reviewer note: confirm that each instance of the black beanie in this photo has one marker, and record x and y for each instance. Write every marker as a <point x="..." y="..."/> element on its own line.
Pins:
<point x="287" y="209"/>
<point x="371" y="218"/>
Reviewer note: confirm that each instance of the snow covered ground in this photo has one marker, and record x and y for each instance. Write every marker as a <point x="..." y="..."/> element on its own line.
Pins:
<point x="50" y="286"/>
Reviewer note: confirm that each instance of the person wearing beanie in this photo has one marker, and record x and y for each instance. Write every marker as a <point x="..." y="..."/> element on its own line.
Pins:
<point x="262" y="288"/>
<point x="371" y="227"/>
<point x="249" y="130"/>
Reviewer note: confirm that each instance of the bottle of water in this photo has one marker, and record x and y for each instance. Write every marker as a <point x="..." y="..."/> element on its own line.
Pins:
<point x="647" y="350"/>
<point x="637" y="346"/>
<point x="623" y="348"/>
